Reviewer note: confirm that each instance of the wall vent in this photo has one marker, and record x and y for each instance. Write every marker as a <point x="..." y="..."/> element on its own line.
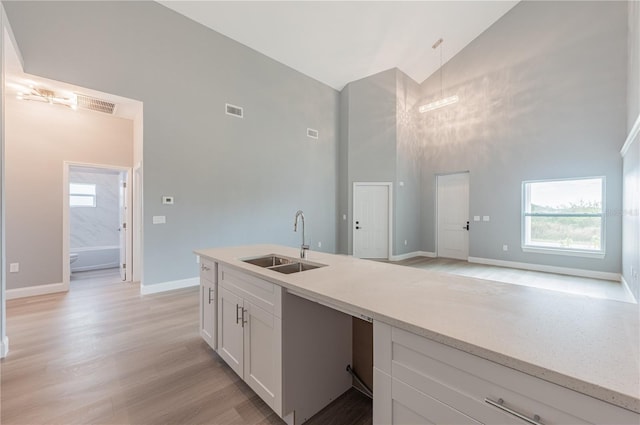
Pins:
<point x="312" y="133"/>
<point x="235" y="111"/>
<point x="95" y="104"/>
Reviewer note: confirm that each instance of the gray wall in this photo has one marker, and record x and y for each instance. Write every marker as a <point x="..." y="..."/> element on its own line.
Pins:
<point x="235" y="181"/>
<point x="542" y="96"/>
<point x="39" y="138"/>
<point x="371" y="135"/>
<point x="96" y="226"/>
<point x="631" y="162"/>
<point x="407" y="213"/>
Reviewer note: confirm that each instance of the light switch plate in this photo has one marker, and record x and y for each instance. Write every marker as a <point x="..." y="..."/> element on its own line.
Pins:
<point x="485" y="218"/>
<point x="159" y="219"/>
<point x="476" y="218"/>
<point x="14" y="267"/>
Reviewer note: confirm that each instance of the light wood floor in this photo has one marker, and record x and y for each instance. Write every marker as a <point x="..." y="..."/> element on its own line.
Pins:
<point x="104" y="354"/>
<point x="596" y="288"/>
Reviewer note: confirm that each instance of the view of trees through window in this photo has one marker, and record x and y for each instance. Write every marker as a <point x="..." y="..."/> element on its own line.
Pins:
<point x="564" y="214"/>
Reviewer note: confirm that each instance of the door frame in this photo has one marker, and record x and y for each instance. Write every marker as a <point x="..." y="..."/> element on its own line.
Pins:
<point x="66" y="228"/>
<point x="389" y="186"/>
<point x="436" y="215"/>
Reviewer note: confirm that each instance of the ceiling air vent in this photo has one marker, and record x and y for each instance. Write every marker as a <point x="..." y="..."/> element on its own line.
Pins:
<point x="95" y="104"/>
<point x="312" y="133"/>
<point x="236" y="111"/>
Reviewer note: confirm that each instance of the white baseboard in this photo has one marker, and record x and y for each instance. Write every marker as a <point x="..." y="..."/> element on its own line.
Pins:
<point x="169" y="286"/>
<point x="4" y="347"/>
<point x="412" y="255"/>
<point x="549" y="269"/>
<point x="628" y="289"/>
<point x="32" y="291"/>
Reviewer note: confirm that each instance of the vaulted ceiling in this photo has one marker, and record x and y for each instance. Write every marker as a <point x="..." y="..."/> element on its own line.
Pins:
<point x="337" y="42"/>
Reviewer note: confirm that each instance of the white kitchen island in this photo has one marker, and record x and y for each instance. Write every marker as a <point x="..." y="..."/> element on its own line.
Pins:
<point x="446" y="348"/>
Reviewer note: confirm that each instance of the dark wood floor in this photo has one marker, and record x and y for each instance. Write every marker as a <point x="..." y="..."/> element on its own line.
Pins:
<point x="104" y="354"/>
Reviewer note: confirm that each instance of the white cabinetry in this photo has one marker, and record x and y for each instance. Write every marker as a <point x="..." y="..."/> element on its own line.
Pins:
<point x="208" y="303"/>
<point x="417" y="380"/>
<point x="250" y="332"/>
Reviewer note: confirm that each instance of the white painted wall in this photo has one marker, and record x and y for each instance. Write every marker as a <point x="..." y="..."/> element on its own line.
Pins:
<point x="39" y="138"/>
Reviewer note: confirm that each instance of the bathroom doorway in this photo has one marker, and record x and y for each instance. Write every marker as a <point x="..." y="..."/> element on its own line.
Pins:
<point x="97" y="220"/>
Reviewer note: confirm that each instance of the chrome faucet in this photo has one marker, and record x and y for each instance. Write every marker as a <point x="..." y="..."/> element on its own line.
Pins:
<point x="303" y="248"/>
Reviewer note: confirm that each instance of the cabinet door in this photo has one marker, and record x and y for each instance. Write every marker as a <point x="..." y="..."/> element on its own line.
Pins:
<point x="262" y="354"/>
<point x="230" y="330"/>
<point x="208" y="312"/>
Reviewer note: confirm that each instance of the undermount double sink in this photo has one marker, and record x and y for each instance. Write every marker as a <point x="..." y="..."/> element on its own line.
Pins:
<point x="282" y="264"/>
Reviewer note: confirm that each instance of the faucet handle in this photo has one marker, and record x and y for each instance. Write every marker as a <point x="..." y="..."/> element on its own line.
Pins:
<point x="303" y="251"/>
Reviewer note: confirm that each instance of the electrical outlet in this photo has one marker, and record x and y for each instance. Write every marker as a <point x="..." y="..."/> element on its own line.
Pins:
<point x="197" y="259"/>
<point x="344" y="216"/>
<point x="505" y="247"/>
<point x="405" y="242"/>
<point x="319" y="244"/>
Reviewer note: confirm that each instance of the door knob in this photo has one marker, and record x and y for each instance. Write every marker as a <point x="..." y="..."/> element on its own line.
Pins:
<point x="357" y="227"/>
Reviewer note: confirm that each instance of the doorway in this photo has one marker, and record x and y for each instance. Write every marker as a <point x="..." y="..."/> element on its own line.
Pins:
<point x="97" y="213"/>
<point x="372" y="220"/>
<point x="453" y="216"/>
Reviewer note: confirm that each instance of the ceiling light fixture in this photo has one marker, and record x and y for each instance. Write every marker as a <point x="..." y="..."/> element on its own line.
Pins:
<point x="443" y="101"/>
<point x="48" y="96"/>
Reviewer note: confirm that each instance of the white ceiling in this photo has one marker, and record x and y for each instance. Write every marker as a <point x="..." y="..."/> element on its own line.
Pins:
<point x="337" y="42"/>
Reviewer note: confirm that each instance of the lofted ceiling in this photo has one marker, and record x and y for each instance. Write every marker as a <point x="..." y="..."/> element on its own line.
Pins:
<point x="337" y="42"/>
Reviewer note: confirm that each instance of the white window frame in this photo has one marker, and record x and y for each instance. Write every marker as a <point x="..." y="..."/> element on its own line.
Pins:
<point x="82" y="194"/>
<point x="556" y="250"/>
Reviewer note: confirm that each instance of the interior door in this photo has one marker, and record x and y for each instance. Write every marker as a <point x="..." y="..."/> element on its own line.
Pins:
<point x="453" y="216"/>
<point x="123" y="225"/>
<point x="371" y="220"/>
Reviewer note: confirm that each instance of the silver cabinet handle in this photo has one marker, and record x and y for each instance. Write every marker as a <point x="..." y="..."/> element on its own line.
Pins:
<point x="238" y="317"/>
<point x="500" y="405"/>
<point x="244" y="310"/>
<point x="210" y="291"/>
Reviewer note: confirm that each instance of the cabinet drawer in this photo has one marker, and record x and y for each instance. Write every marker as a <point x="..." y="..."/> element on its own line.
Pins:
<point x="469" y="383"/>
<point x="261" y="293"/>
<point x="208" y="270"/>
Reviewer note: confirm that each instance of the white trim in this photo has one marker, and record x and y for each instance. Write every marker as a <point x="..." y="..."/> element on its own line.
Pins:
<point x="549" y="269"/>
<point x="389" y="185"/>
<point x="412" y="255"/>
<point x="32" y="291"/>
<point x="169" y="286"/>
<point x="563" y="251"/>
<point x="633" y="135"/>
<point x="4" y="347"/>
<point x="625" y="285"/>
<point x="94" y="248"/>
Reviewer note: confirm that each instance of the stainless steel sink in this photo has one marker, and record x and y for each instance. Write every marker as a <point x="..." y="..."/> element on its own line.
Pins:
<point x="282" y="264"/>
<point x="270" y="260"/>
<point x="295" y="267"/>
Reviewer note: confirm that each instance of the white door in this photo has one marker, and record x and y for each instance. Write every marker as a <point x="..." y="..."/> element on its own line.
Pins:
<point x="230" y="330"/>
<point x="371" y="220"/>
<point x="123" y="225"/>
<point x="453" y="216"/>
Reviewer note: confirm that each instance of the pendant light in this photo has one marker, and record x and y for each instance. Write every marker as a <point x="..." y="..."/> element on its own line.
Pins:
<point x="443" y="101"/>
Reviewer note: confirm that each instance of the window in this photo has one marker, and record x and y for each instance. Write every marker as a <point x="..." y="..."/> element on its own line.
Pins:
<point x="564" y="216"/>
<point x="82" y="195"/>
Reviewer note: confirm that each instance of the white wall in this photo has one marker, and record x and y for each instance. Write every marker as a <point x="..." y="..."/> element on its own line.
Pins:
<point x="39" y="138"/>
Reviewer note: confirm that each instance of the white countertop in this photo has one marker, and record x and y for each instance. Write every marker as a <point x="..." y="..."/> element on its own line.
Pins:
<point x="586" y="344"/>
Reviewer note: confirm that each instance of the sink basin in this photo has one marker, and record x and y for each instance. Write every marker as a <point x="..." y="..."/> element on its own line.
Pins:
<point x="270" y="260"/>
<point x="282" y="264"/>
<point x="295" y="267"/>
